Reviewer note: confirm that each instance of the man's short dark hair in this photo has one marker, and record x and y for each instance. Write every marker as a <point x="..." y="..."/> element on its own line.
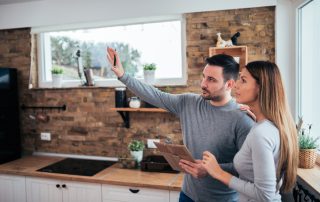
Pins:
<point x="228" y="63"/>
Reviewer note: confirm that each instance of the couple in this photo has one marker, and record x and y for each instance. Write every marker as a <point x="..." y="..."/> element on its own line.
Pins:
<point x="236" y="157"/>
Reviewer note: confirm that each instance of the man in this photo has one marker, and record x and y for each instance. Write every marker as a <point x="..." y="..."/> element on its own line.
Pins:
<point x="210" y="122"/>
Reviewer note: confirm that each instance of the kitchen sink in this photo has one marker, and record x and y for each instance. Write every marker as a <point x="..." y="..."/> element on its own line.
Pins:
<point x="75" y="166"/>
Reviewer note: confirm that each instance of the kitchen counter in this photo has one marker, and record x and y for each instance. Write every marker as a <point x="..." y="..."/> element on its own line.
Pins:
<point x="28" y="166"/>
<point x="311" y="177"/>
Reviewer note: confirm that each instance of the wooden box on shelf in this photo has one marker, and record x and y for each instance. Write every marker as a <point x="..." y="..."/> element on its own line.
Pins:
<point x="236" y="51"/>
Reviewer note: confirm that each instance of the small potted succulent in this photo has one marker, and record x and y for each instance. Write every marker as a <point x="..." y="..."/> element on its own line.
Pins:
<point x="307" y="146"/>
<point x="149" y="72"/>
<point x="136" y="150"/>
<point x="57" y="74"/>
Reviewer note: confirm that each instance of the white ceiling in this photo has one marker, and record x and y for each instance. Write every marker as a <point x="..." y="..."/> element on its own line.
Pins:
<point x="4" y="2"/>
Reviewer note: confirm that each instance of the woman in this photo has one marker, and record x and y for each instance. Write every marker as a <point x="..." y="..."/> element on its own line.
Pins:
<point x="268" y="158"/>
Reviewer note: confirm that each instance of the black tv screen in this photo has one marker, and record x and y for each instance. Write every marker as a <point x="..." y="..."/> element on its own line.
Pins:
<point x="4" y="78"/>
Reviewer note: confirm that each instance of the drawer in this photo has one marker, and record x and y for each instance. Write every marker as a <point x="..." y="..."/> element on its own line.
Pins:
<point x="113" y="193"/>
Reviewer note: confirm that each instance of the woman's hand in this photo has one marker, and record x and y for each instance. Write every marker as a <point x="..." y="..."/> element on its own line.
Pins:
<point x="115" y="62"/>
<point x="211" y="165"/>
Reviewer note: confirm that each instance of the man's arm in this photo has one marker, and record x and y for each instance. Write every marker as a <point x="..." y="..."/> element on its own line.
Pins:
<point x="243" y="128"/>
<point x="146" y="92"/>
<point x="153" y="95"/>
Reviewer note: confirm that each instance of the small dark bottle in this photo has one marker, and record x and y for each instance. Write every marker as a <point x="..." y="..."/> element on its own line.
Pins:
<point x="120" y="97"/>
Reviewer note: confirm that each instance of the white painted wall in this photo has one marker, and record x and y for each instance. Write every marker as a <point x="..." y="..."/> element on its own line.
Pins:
<point x="286" y="47"/>
<point x="62" y="12"/>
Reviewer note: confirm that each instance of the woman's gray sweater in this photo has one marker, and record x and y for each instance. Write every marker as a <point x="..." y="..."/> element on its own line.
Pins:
<point x="256" y="163"/>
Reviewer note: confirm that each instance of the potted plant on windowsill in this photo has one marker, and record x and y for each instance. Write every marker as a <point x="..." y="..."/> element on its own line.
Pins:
<point x="136" y="150"/>
<point x="307" y="146"/>
<point x="57" y="74"/>
<point x="149" y="72"/>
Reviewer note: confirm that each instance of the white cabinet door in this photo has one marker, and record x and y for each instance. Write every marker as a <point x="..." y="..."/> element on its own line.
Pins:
<point x="12" y="188"/>
<point x="81" y="192"/>
<point x="113" y="193"/>
<point x="174" y="196"/>
<point x="43" y="190"/>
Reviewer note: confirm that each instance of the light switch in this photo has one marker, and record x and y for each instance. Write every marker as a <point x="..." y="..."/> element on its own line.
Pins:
<point x="45" y="136"/>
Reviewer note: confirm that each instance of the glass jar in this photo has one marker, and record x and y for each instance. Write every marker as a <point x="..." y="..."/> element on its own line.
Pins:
<point x="134" y="102"/>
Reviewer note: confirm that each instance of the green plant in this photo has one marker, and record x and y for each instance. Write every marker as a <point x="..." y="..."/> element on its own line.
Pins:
<point x="150" y="66"/>
<point x="57" y="70"/>
<point x="306" y="141"/>
<point x="136" y="145"/>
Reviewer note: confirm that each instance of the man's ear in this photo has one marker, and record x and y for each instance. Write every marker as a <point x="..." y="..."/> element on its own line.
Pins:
<point x="230" y="84"/>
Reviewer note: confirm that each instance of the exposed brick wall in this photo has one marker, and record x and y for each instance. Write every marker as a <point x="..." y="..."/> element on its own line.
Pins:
<point x="87" y="126"/>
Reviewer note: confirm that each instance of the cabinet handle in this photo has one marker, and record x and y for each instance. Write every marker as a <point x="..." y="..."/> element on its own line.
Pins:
<point x="134" y="190"/>
<point x="64" y="186"/>
<point x="58" y="185"/>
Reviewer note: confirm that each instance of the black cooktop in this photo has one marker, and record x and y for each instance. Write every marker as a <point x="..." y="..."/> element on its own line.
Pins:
<point x="74" y="166"/>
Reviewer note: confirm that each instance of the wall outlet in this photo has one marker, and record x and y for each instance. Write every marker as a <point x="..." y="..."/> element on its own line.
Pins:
<point x="150" y="143"/>
<point x="45" y="136"/>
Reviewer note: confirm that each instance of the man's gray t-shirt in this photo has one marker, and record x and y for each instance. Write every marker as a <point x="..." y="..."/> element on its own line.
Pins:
<point x="220" y="130"/>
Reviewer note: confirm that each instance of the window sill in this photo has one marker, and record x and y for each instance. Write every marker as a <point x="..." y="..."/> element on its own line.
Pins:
<point x="311" y="176"/>
<point x="173" y="82"/>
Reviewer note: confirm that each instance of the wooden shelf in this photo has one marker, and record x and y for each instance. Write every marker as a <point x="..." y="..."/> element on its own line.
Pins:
<point x="138" y="109"/>
<point x="124" y="112"/>
<point x="235" y="51"/>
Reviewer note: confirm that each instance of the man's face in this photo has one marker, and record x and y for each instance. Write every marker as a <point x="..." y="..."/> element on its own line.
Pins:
<point x="212" y="84"/>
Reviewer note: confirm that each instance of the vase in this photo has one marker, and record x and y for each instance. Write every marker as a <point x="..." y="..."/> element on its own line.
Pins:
<point x="137" y="155"/>
<point x="57" y="80"/>
<point x="149" y="77"/>
<point x="307" y="158"/>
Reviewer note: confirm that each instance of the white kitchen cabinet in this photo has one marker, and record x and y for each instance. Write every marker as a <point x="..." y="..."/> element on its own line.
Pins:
<point x="81" y="192"/>
<point x="12" y="188"/>
<point x="114" y="193"/>
<point x="174" y="196"/>
<point x="40" y="189"/>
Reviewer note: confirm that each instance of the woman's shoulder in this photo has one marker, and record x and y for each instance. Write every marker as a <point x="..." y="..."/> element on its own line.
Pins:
<point x="265" y="131"/>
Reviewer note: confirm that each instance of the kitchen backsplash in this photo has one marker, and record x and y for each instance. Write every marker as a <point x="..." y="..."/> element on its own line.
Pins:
<point x="88" y="126"/>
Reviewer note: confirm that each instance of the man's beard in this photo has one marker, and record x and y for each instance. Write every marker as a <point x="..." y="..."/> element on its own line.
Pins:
<point x="215" y="98"/>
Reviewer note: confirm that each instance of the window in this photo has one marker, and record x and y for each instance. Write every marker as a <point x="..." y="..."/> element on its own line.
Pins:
<point x="309" y="64"/>
<point x="160" y="42"/>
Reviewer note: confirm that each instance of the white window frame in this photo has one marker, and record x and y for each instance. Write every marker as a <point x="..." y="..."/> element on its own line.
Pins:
<point x="299" y="63"/>
<point x="44" y="52"/>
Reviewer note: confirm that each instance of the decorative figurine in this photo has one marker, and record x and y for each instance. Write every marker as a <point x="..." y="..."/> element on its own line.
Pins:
<point x="234" y="38"/>
<point x="222" y="43"/>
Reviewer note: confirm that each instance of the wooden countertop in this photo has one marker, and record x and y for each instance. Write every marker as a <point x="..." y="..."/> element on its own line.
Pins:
<point x="311" y="177"/>
<point x="28" y="166"/>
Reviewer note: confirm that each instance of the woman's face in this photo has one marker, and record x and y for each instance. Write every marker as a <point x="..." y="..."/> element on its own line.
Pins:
<point x="246" y="89"/>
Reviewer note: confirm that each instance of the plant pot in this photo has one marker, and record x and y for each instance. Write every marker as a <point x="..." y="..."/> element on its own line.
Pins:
<point x="307" y="158"/>
<point x="137" y="155"/>
<point x="57" y="80"/>
<point x="149" y="76"/>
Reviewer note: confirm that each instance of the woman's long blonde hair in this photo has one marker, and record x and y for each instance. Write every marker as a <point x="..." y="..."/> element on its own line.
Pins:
<point x="274" y="106"/>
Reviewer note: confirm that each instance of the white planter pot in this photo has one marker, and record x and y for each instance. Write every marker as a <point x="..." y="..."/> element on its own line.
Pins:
<point x="137" y="155"/>
<point x="149" y="76"/>
<point x="57" y="80"/>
